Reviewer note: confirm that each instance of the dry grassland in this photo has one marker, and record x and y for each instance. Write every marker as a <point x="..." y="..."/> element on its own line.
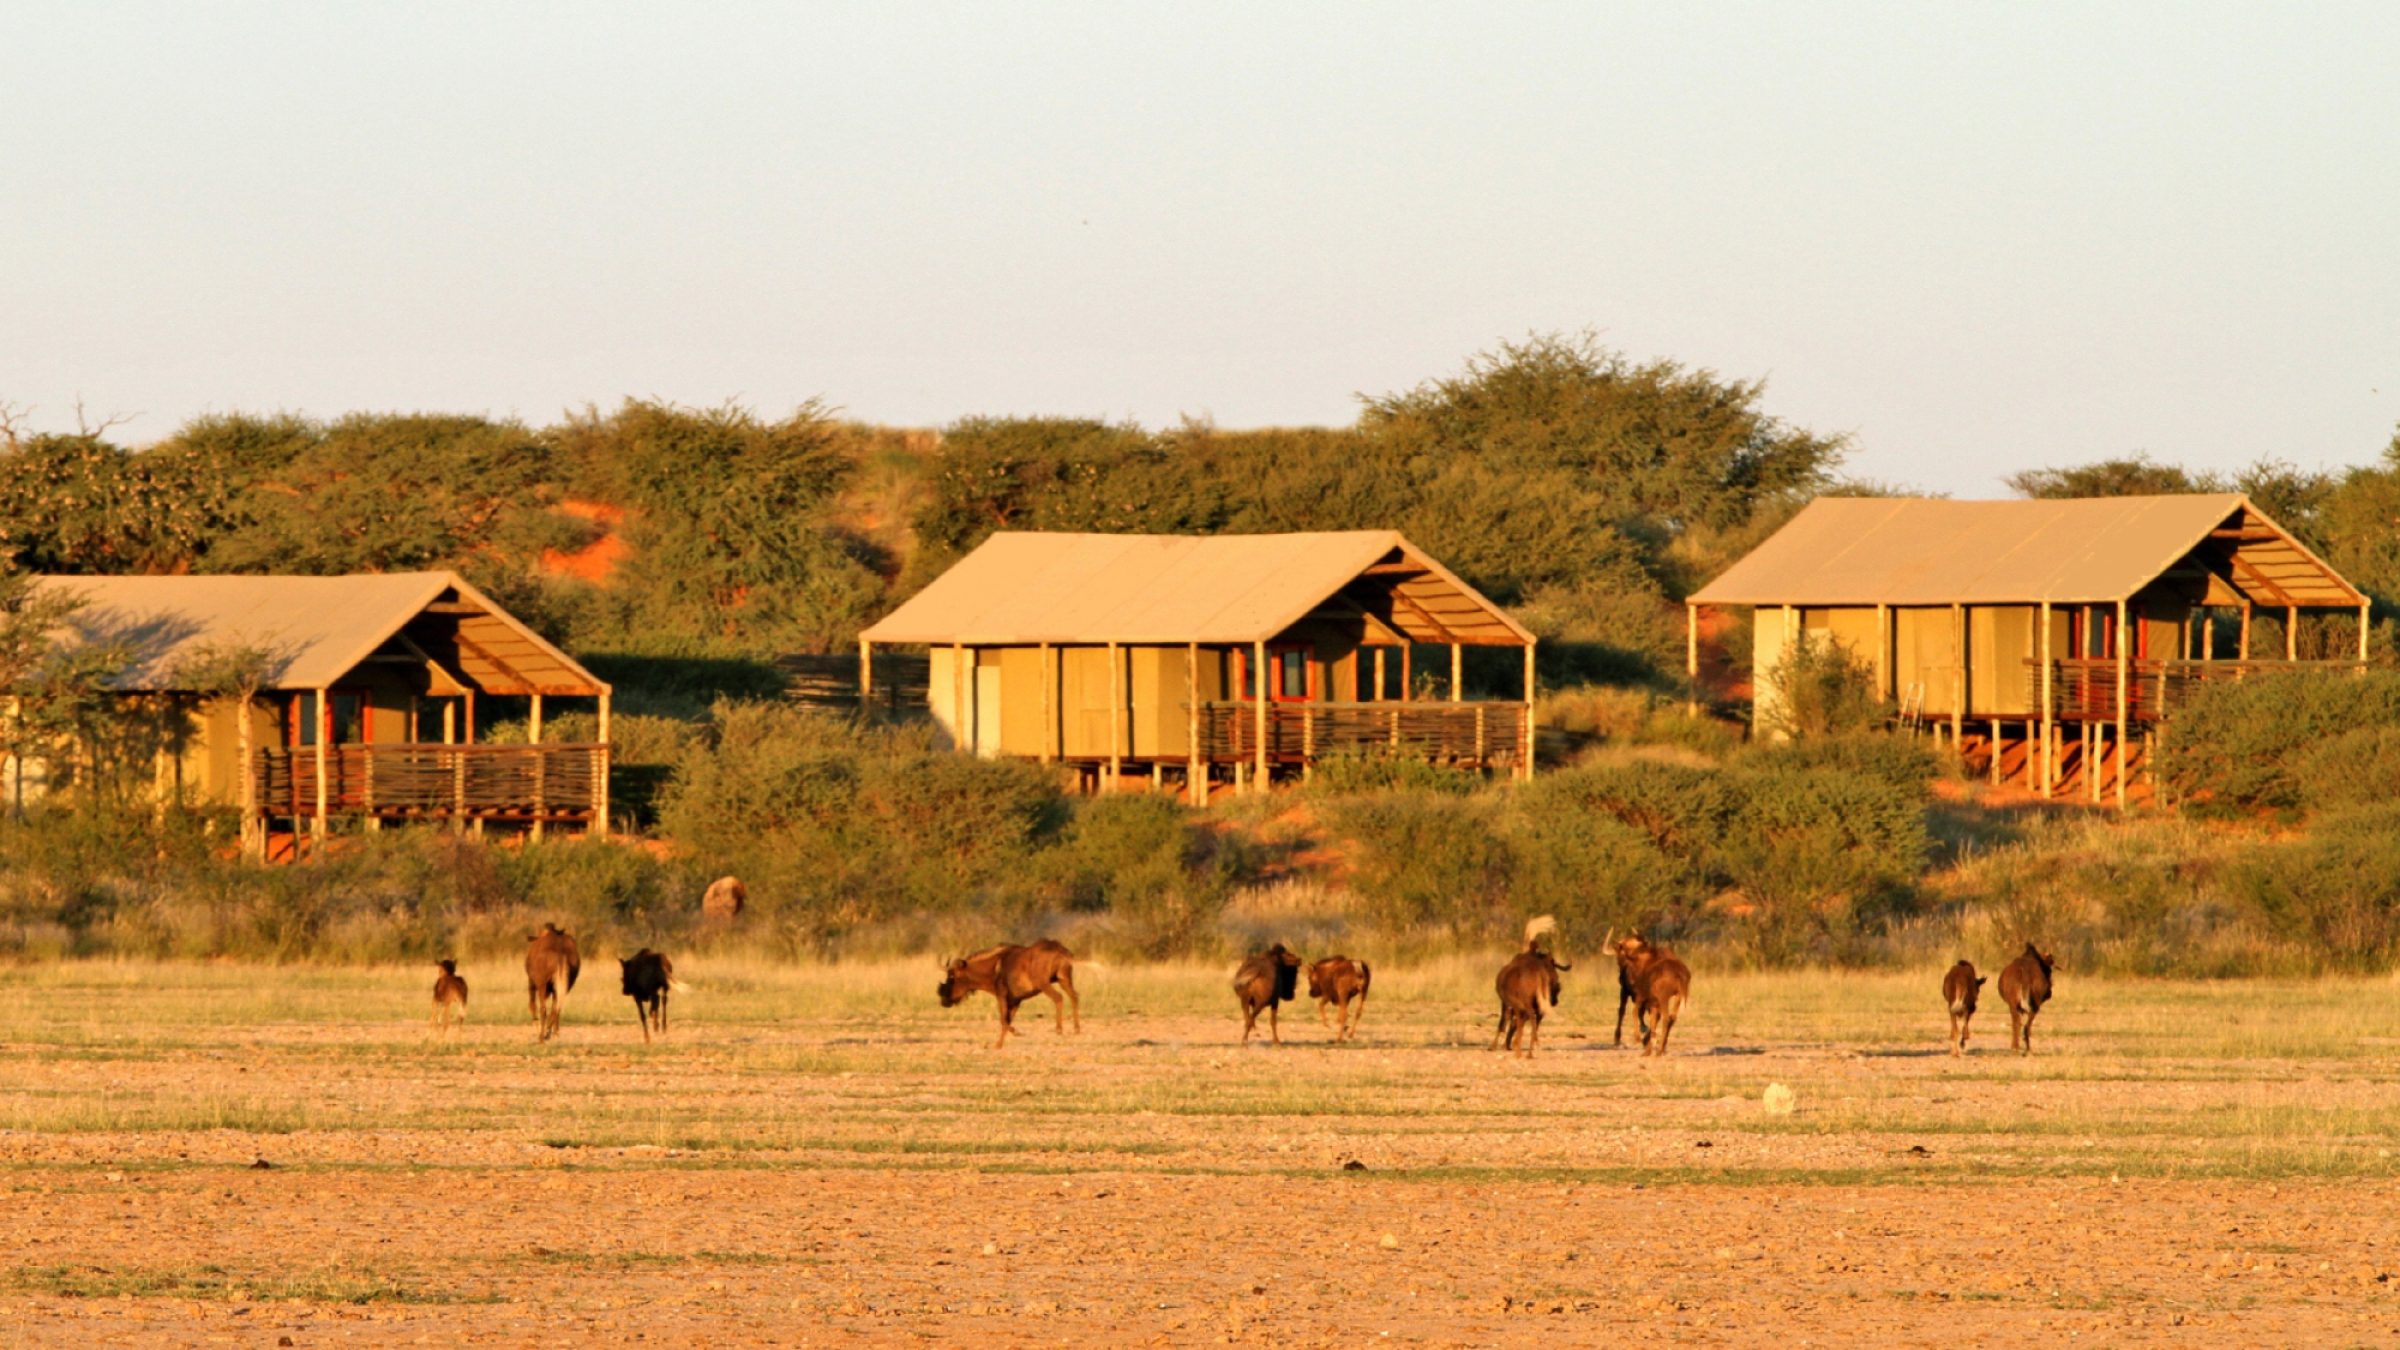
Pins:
<point x="239" y="1155"/>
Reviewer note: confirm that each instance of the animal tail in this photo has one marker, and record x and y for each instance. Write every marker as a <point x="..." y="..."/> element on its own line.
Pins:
<point x="676" y="986"/>
<point x="1366" y="979"/>
<point x="1537" y="929"/>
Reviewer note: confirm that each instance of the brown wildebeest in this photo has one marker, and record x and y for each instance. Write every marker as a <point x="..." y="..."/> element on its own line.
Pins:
<point x="1337" y="982"/>
<point x="1013" y="975"/>
<point x="1528" y="987"/>
<point x="1263" y="983"/>
<point x="1959" y="989"/>
<point x="2025" y="987"/>
<point x="648" y="975"/>
<point x="552" y="961"/>
<point x="449" y="996"/>
<point x="1629" y="950"/>
<point x="1662" y="984"/>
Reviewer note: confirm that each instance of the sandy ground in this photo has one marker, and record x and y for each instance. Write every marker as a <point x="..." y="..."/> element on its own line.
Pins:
<point x="843" y="1181"/>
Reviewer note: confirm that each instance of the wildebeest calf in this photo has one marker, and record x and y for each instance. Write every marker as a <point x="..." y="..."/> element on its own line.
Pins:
<point x="1959" y="989"/>
<point x="1012" y="975"/>
<point x="2025" y="987"/>
<point x="648" y="976"/>
<point x="1263" y="983"/>
<point x="1662" y="984"/>
<point x="449" y="996"/>
<point x="1338" y="982"/>
<point x="552" y="961"/>
<point x="1528" y="987"/>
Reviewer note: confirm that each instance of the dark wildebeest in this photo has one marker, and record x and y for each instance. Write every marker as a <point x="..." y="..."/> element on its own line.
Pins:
<point x="1959" y="989"/>
<point x="552" y="961"/>
<point x="1013" y="975"/>
<point x="1263" y="983"/>
<point x="2025" y="987"/>
<point x="1629" y="952"/>
<point x="1662" y="984"/>
<point x="1528" y="987"/>
<point x="648" y="975"/>
<point x="1337" y="982"/>
<point x="449" y="996"/>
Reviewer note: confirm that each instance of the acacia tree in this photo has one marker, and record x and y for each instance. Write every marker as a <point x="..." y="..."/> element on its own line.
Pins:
<point x="51" y="680"/>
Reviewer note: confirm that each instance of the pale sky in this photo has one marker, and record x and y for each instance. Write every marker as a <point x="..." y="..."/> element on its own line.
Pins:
<point x="1977" y="237"/>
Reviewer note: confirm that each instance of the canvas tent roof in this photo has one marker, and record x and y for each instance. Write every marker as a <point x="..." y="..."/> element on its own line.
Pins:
<point x="1019" y="589"/>
<point x="315" y="629"/>
<point x="1926" y="551"/>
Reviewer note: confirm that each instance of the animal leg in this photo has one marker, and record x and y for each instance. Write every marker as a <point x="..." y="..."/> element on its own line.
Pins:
<point x="1066" y="979"/>
<point x="2029" y="1012"/>
<point x="1249" y="1022"/>
<point x="1008" y="1013"/>
<point x="1058" y="1008"/>
<point x="1325" y="1016"/>
<point x="641" y="1014"/>
<point x="662" y="1012"/>
<point x="1666" y="1024"/>
<point x="1623" y="998"/>
<point x="1500" y="1030"/>
<point x="1359" y="1014"/>
<point x="1533" y="1038"/>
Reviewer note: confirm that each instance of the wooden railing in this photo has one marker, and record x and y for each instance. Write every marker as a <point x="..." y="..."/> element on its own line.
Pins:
<point x="1464" y="733"/>
<point x="2084" y="689"/>
<point x="490" y="782"/>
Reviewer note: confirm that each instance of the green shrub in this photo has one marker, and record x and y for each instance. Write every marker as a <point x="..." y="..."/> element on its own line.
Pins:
<point x="1350" y="772"/>
<point x="1424" y="860"/>
<point x="2356" y="769"/>
<point x="1146" y="862"/>
<point x="2242" y="743"/>
<point x="1681" y="809"/>
<point x="1818" y="688"/>
<point x="2335" y="892"/>
<point x="1894" y="760"/>
<point x="1574" y="859"/>
<point x="1823" y="859"/>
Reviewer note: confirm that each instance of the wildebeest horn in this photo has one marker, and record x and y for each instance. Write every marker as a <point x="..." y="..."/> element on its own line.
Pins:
<point x="1609" y="943"/>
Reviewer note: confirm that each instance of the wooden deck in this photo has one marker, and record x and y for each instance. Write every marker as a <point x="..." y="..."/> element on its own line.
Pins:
<point x="1483" y="735"/>
<point x="414" y="781"/>
<point x="2084" y="689"/>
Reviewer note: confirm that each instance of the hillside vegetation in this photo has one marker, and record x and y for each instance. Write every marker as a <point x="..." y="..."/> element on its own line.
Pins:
<point x="678" y="550"/>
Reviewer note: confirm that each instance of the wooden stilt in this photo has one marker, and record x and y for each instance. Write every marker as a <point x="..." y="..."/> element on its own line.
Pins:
<point x="2049" y="782"/>
<point x="2124" y="695"/>
<point x="1530" y="744"/>
<point x="1116" y="716"/>
<point x="1958" y="709"/>
<point x="1691" y="660"/>
<point x="1195" y="772"/>
<point x="1258" y="679"/>
<point x="600" y="805"/>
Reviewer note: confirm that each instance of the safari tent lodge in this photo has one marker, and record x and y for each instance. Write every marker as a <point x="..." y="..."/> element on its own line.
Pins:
<point x="366" y="701"/>
<point x="2051" y="637"/>
<point x="1224" y="660"/>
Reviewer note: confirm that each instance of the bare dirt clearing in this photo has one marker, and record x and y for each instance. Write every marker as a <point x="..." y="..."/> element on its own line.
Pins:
<point x="823" y="1156"/>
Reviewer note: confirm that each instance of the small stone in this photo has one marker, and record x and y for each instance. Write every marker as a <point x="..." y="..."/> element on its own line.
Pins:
<point x="991" y="1249"/>
<point x="1388" y="1243"/>
<point x="1779" y="1100"/>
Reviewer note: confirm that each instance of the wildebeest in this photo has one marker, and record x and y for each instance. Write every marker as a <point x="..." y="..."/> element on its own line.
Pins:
<point x="1629" y="951"/>
<point x="552" y="961"/>
<point x="2025" y="987"/>
<point x="648" y="975"/>
<point x="449" y="996"/>
<point x="1959" y="989"/>
<point x="1263" y="983"/>
<point x="1662" y="984"/>
<point x="1338" y="982"/>
<point x="1012" y="975"/>
<point x="1528" y="987"/>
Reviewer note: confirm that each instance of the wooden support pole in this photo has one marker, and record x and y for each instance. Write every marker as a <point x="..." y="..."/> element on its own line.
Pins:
<point x="1408" y="654"/>
<point x="466" y="733"/>
<point x="600" y="805"/>
<point x="2242" y="652"/>
<point x="1195" y="772"/>
<point x="1886" y="672"/>
<point x="449" y="721"/>
<point x="1382" y="690"/>
<point x="1049" y="682"/>
<point x="1116" y="715"/>
<point x="2291" y="632"/>
<point x="2091" y="753"/>
<point x="2208" y="637"/>
<point x="2049" y="776"/>
<point x="1458" y="672"/>
<point x="541" y="766"/>
<point x="254" y="833"/>
<point x="958" y="699"/>
<point x="2124" y="695"/>
<point x="866" y="675"/>
<point x="1258" y="681"/>
<point x="1527" y="770"/>
<point x="2366" y="619"/>
<point x="324" y="802"/>
<point x="1958" y="710"/>
<point x="1995" y="752"/>
<point x="1691" y="660"/>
